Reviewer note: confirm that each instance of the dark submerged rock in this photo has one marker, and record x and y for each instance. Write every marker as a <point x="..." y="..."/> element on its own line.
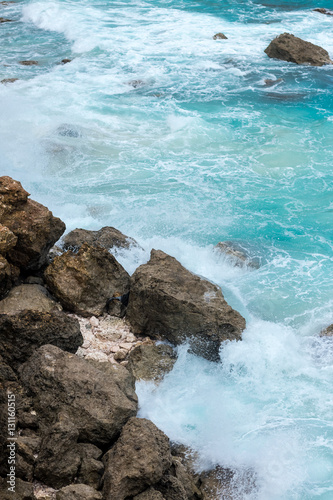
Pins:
<point x="293" y="49"/>
<point x="8" y="80"/>
<point x="269" y="82"/>
<point x="323" y="11"/>
<point x="169" y="302"/>
<point x="83" y="282"/>
<point x="237" y="254"/>
<point x="29" y="63"/>
<point x="4" y="20"/>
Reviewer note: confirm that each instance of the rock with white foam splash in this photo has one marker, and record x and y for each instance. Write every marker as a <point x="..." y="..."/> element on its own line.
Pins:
<point x="293" y="49"/>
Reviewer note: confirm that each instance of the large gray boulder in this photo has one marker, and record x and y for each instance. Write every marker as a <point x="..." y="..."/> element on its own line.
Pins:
<point x="169" y="302"/>
<point x="83" y="282"/>
<point x="293" y="49"/>
<point x="63" y="383"/>
<point x="138" y="460"/>
<point x="21" y="334"/>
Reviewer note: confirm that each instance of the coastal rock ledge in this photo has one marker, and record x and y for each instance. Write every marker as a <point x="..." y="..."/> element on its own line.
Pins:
<point x="288" y="47"/>
<point x="169" y="302"/>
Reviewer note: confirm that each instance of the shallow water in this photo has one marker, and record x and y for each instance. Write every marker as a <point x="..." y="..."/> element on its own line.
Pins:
<point x="174" y="138"/>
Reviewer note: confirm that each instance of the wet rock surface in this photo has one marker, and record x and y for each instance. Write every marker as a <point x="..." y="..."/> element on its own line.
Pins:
<point x="106" y="237"/>
<point x="151" y="361"/>
<point x="83" y="282"/>
<point x="237" y="254"/>
<point x="293" y="49"/>
<point x="220" y="36"/>
<point x="169" y="302"/>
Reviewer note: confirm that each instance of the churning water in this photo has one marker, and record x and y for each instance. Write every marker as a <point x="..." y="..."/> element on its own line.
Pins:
<point x="175" y="139"/>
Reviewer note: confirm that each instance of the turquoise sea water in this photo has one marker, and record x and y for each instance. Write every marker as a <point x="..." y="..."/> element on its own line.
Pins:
<point x="198" y="150"/>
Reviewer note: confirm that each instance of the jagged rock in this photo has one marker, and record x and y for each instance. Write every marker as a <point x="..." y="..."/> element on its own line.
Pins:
<point x="151" y="361"/>
<point x="8" y="276"/>
<point x="227" y="484"/>
<point x="293" y="49"/>
<point x="220" y="36"/>
<point x="33" y="224"/>
<point x="269" y="82"/>
<point x="150" y="494"/>
<point x="62" y="382"/>
<point x="28" y="297"/>
<point x="29" y="63"/>
<point x="169" y="302"/>
<point x="78" y="492"/>
<point x="27" y="448"/>
<point x="22" y="333"/>
<point x="171" y="488"/>
<point x="107" y="237"/>
<point x="23" y="490"/>
<point x="83" y="282"/>
<point x="91" y="468"/>
<point x="138" y="460"/>
<point x="323" y="11"/>
<point x="66" y="61"/>
<point x="237" y="255"/>
<point x="327" y="332"/>
<point x="7" y="239"/>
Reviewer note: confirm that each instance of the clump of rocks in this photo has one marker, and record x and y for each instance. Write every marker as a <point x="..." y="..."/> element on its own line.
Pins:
<point x="76" y="332"/>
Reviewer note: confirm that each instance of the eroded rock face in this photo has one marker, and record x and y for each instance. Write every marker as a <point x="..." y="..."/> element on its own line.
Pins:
<point x="34" y="226"/>
<point x="8" y="276"/>
<point x="28" y="297"/>
<point x="138" y="460"/>
<point x="83" y="282"/>
<point x="327" y="332"/>
<point x="150" y="494"/>
<point x="237" y="255"/>
<point x="293" y="49"/>
<point x="151" y="361"/>
<point x="7" y="239"/>
<point x="21" y="334"/>
<point x="107" y="237"/>
<point x="61" y="382"/>
<point x="169" y="302"/>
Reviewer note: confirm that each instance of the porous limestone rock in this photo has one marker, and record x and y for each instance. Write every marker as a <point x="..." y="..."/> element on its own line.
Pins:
<point x="28" y="297"/>
<point x="293" y="49"/>
<point x="151" y="361"/>
<point x="106" y="237"/>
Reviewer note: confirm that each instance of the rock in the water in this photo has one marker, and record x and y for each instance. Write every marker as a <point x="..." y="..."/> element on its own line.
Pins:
<point x="63" y="382"/>
<point x="151" y="361"/>
<point x="7" y="239"/>
<point x="327" y="332"/>
<point x="8" y="80"/>
<point x="83" y="282"/>
<point x="8" y="276"/>
<point x="293" y="49"/>
<point x="107" y="237"/>
<point x="28" y="297"/>
<point x="237" y="255"/>
<point x="323" y="11"/>
<point x="169" y="302"/>
<point x="269" y="82"/>
<point x="220" y="36"/>
<point x="21" y="334"/>
<point x="33" y="224"/>
<point x="138" y="460"/>
<point x="29" y="63"/>
<point x="220" y="483"/>
<point x="78" y="492"/>
<point x="4" y="20"/>
<point x="66" y="61"/>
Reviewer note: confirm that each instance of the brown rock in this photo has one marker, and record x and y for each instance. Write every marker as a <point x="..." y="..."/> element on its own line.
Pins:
<point x="12" y="195"/>
<point x="29" y="63"/>
<point x="220" y="483"/>
<point x="293" y="49"/>
<point x="220" y="36"/>
<point x="23" y="490"/>
<point x="169" y="302"/>
<point x="236" y="254"/>
<point x="150" y="494"/>
<point x="327" y="332"/>
<point x="151" y="361"/>
<point x="78" y="492"/>
<point x="7" y="239"/>
<point x="84" y="281"/>
<point x="66" y="61"/>
<point x="22" y="333"/>
<point x="107" y="237"/>
<point x="63" y="382"/>
<point x="269" y="82"/>
<point x="27" y="448"/>
<point x="138" y="460"/>
<point x="4" y="20"/>
<point x="323" y="11"/>
<point x="8" y="276"/>
<point x="28" y="297"/>
<point x="8" y="80"/>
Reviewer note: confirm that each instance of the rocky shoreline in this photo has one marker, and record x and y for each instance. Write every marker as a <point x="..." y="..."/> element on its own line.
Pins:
<point x="76" y="332"/>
